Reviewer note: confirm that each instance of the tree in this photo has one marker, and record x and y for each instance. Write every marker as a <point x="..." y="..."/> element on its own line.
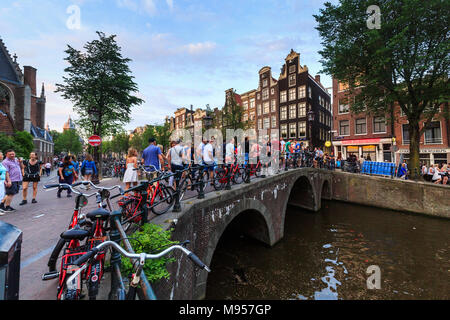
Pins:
<point x="404" y="63"/>
<point x="6" y="143"/>
<point x="68" y="141"/>
<point x="137" y="142"/>
<point x="100" y="85"/>
<point x="231" y="116"/>
<point x="121" y="143"/>
<point x="21" y="142"/>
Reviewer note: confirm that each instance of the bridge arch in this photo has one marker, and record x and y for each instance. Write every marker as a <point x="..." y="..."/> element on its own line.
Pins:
<point x="256" y="222"/>
<point x="326" y="192"/>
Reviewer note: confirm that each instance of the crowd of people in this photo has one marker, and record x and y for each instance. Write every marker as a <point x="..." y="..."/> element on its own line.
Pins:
<point x="17" y="174"/>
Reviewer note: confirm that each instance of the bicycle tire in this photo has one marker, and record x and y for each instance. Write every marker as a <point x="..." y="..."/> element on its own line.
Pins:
<point x="128" y="209"/>
<point x="258" y="171"/>
<point x="55" y="254"/>
<point x="219" y="174"/>
<point x="238" y="176"/>
<point x="164" y="200"/>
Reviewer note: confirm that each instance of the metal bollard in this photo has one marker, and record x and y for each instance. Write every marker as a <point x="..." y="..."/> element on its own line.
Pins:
<point x="201" y="191"/>
<point x="177" y="206"/>
<point x="228" y="186"/>
<point x="247" y="174"/>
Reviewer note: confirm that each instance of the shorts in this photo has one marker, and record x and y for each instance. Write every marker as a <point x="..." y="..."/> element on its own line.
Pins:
<point x="13" y="189"/>
<point x="2" y="189"/>
<point x="209" y="166"/>
<point x="33" y="178"/>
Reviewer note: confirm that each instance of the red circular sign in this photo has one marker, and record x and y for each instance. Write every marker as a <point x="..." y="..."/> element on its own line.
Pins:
<point x="95" y="141"/>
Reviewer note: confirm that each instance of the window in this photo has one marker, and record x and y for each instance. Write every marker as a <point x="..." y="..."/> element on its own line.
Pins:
<point x="259" y="123"/>
<point x="310" y="92"/>
<point x="245" y="117"/>
<point x="344" y="128"/>
<point x="252" y="116"/>
<point x="343" y="106"/>
<point x="272" y="91"/>
<point x="245" y="105"/>
<point x="379" y="124"/>
<point x="266" y="123"/>
<point x="283" y="96"/>
<point x="360" y="126"/>
<point x="252" y="103"/>
<point x="265" y="83"/>
<point x="292" y="94"/>
<point x="321" y="116"/>
<point x="433" y="133"/>
<point x="265" y="94"/>
<point x="405" y="133"/>
<point x="283" y="130"/>
<point x="283" y="113"/>
<point x="292" y="130"/>
<point x="292" y="69"/>
<point x="273" y="105"/>
<point x="292" y="111"/>
<point x="302" y="110"/>
<point x="258" y="110"/>
<point x="266" y="107"/>
<point x="274" y="121"/>
<point x="292" y="80"/>
<point x="302" y="129"/>
<point x="302" y="92"/>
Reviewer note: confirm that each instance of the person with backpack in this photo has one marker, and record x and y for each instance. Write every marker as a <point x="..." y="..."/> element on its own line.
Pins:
<point x="89" y="168"/>
<point x="67" y="174"/>
<point x="31" y="172"/>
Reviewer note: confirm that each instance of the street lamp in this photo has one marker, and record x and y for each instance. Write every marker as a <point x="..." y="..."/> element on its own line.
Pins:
<point x="311" y="117"/>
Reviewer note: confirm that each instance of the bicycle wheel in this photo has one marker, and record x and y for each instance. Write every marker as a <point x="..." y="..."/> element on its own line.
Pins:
<point x="183" y="187"/>
<point x="238" y="177"/>
<point x="130" y="208"/>
<point x="164" y="200"/>
<point x="220" y="179"/>
<point x="258" y="171"/>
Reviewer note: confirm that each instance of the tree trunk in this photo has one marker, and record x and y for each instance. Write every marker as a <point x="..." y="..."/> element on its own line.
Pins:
<point x="414" y="149"/>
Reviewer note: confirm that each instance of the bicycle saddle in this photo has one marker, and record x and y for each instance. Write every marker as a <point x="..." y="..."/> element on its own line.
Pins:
<point x="75" y="234"/>
<point x="99" y="213"/>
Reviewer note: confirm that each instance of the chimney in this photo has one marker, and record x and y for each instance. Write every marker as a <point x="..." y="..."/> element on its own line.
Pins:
<point x="29" y="78"/>
<point x="317" y="78"/>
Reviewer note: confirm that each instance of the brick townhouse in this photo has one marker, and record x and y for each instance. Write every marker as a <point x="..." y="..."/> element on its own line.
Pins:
<point x="373" y="137"/>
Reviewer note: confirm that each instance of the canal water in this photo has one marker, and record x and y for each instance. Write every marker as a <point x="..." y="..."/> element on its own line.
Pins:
<point x="326" y="256"/>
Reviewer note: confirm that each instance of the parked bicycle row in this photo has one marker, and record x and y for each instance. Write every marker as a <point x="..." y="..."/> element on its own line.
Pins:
<point x="82" y="247"/>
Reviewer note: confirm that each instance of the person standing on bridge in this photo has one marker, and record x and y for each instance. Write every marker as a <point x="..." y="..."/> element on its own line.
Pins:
<point x="3" y="174"/>
<point x="31" y="171"/>
<point x="13" y="179"/>
<point x="153" y="157"/>
<point x="89" y="168"/>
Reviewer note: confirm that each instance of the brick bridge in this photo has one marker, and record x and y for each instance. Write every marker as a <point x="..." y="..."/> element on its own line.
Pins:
<point x="261" y="207"/>
<point x="259" y="210"/>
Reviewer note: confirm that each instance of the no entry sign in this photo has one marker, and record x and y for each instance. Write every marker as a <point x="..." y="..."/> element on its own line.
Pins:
<point x="95" y="141"/>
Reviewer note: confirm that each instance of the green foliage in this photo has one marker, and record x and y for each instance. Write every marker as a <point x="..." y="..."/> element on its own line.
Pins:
<point x="99" y="83"/>
<point x="121" y="143"/>
<point x="68" y="141"/>
<point x="231" y="115"/>
<point x="23" y="144"/>
<point x="151" y="239"/>
<point x="6" y="143"/>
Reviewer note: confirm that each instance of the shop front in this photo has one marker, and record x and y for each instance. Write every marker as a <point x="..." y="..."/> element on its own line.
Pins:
<point x="428" y="156"/>
<point x="369" y="149"/>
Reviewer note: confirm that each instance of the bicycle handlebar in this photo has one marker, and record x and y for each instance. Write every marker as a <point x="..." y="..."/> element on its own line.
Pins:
<point x="71" y="187"/>
<point x="125" y="253"/>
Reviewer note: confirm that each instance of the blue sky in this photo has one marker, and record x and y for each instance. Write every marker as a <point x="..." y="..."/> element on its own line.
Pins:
<point x="184" y="52"/>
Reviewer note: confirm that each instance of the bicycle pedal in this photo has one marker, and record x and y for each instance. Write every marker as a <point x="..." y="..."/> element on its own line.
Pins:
<point x="50" y="275"/>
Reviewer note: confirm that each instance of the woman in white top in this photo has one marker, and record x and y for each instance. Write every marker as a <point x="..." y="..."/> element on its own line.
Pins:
<point x="436" y="176"/>
<point x="131" y="175"/>
<point x="444" y="174"/>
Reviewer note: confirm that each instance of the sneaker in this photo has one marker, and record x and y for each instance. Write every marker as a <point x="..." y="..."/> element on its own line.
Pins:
<point x="58" y="195"/>
<point x="2" y="207"/>
<point x="34" y="201"/>
<point x="10" y="209"/>
<point x="24" y="202"/>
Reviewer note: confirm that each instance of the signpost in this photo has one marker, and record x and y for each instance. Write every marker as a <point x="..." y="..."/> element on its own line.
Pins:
<point x="95" y="141"/>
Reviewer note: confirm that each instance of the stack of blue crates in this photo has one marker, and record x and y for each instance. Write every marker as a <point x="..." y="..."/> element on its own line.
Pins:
<point x="378" y="168"/>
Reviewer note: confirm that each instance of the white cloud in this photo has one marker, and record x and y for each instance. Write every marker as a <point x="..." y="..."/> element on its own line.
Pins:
<point x="200" y="47"/>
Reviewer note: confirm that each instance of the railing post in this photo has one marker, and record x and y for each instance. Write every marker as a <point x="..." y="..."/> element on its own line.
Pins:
<point x="247" y="173"/>
<point x="201" y="191"/>
<point x="228" y="186"/>
<point x="177" y="206"/>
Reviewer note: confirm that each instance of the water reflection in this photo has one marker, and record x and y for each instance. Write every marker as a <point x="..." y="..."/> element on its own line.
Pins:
<point x="325" y="256"/>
